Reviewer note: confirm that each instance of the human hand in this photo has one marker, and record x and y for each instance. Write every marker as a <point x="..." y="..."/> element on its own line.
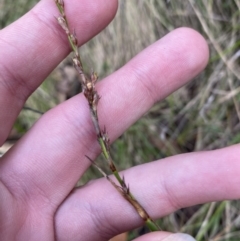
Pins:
<point x="38" y="174"/>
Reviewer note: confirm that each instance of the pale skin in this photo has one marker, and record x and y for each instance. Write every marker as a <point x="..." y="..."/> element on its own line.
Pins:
<point x="38" y="174"/>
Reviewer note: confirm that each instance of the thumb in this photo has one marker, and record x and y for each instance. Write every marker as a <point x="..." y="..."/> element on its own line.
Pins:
<point x="165" y="236"/>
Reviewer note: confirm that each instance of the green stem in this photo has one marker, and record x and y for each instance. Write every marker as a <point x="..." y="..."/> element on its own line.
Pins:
<point x="151" y="225"/>
<point x="73" y="46"/>
<point x="103" y="143"/>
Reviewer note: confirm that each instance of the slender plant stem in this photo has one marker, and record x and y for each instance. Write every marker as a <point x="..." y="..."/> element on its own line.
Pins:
<point x="88" y="87"/>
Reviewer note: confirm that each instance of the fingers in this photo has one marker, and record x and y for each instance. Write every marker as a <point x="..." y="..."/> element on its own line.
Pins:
<point x="64" y="135"/>
<point x="161" y="187"/>
<point x="164" y="236"/>
<point x="33" y="46"/>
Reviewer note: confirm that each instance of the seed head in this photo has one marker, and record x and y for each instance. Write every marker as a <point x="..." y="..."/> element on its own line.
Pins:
<point x="59" y="2"/>
<point x="94" y="77"/>
<point x="74" y="39"/>
<point x="63" y="24"/>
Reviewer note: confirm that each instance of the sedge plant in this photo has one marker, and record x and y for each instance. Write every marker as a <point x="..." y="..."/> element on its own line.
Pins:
<point x="92" y="97"/>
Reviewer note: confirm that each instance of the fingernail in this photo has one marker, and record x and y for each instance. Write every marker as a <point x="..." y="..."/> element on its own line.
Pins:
<point x="179" y="237"/>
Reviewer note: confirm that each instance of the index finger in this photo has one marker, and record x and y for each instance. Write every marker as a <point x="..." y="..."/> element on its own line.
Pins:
<point x="33" y="46"/>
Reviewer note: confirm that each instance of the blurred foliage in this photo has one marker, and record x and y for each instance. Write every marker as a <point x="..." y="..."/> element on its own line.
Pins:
<point x="203" y="115"/>
<point x="10" y="10"/>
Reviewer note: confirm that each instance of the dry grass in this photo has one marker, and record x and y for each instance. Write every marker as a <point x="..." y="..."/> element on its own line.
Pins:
<point x="203" y="115"/>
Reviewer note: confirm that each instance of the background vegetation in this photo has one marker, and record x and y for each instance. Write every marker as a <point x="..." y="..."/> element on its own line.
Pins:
<point x="203" y="115"/>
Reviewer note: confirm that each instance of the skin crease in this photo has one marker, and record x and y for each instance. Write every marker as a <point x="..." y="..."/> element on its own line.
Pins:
<point x="38" y="174"/>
